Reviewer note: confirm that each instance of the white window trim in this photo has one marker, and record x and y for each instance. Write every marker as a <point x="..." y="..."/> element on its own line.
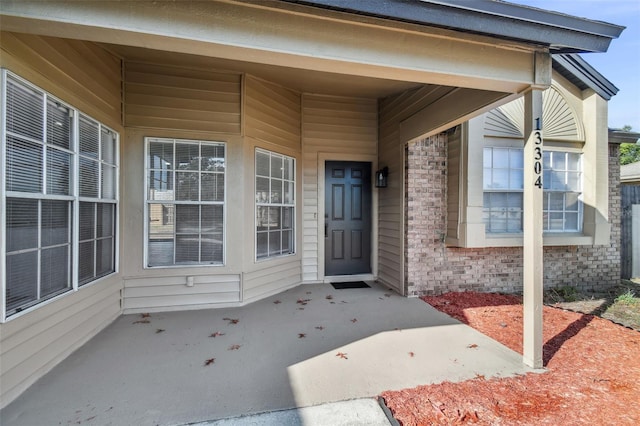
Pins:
<point x="147" y="202"/>
<point x="74" y="198"/>
<point x="546" y="192"/>
<point x="292" y="205"/>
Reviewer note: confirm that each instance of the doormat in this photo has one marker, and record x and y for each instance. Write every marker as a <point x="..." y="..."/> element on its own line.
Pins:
<point x="352" y="284"/>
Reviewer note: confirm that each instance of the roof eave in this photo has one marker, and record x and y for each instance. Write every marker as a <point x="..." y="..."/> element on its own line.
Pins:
<point x="559" y="32"/>
<point x="619" y="136"/>
<point x="586" y="75"/>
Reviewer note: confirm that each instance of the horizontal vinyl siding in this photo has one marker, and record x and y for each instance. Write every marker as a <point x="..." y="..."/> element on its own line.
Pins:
<point x="330" y="125"/>
<point x="36" y="342"/>
<point x="172" y="293"/>
<point x="182" y="99"/>
<point x="272" y="113"/>
<point x="393" y="111"/>
<point x="88" y="78"/>
<point x="79" y="73"/>
<point x="454" y="149"/>
<point x="274" y="276"/>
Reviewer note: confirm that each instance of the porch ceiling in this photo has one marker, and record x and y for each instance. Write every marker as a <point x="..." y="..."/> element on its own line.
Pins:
<point x="301" y="80"/>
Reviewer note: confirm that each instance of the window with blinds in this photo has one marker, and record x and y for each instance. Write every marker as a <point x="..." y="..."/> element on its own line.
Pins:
<point x="53" y="163"/>
<point x="275" y="204"/>
<point x="184" y="202"/>
<point x="503" y="183"/>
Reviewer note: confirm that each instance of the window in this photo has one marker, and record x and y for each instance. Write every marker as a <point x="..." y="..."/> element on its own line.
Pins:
<point x="185" y="202"/>
<point x="53" y="163"/>
<point x="503" y="177"/>
<point x="562" y="178"/>
<point x="275" y="204"/>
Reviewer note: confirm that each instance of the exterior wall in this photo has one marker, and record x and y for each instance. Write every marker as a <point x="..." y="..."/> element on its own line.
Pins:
<point x="392" y="112"/>
<point x="432" y="267"/>
<point x="79" y="73"/>
<point x="272" y="122"/>
<point x="88" y="78"/>
<point x="333" y="128"/>
<point x="189" y="103"/>
<point x="36" y="342"/>
<point x="166" y="97"/>
<point x="573" y="120"/>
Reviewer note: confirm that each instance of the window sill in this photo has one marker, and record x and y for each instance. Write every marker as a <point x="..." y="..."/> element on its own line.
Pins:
<point x="549" y="239"/>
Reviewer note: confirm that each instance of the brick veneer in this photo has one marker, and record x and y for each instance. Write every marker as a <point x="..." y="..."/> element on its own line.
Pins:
<point x="433" y="268"/>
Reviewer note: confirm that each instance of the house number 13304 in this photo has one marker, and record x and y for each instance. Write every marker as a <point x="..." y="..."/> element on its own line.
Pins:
<point x="537" y="164"/>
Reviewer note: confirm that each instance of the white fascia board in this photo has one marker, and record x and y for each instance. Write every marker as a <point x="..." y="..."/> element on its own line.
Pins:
<point x="282" y="37"/>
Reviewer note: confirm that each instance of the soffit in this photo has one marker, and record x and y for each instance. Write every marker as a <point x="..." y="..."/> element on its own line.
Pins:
<point x="304" y="81"/>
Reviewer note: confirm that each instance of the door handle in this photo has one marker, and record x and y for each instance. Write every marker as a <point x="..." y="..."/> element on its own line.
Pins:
<point x="326" y="230"/>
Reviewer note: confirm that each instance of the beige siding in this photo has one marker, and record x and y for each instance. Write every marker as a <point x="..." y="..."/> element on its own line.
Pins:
<point x="35" y="342"/>
<point x="182" y="99"/>
<point x="271" y="277"/>
<point x="334" y="127"/>
<point x="272" y="113"/>
<point x="454" y="184"/>
<point x="88" y="78"/>
<point x="172" y="293"/>
<point x="79" y="73"/>
<point x="393" y="111"/>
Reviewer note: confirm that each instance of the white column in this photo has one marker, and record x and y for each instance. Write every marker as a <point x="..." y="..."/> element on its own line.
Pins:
<point x="532" y="227"/>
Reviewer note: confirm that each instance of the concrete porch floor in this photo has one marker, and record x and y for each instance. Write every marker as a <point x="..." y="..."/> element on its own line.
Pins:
<point x="282" y="353"/>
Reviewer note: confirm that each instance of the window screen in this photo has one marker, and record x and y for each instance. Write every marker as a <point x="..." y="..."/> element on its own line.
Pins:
<point x="275" y="204"/>
<point x="42" y="187"/>
<point x="185" y="202"/>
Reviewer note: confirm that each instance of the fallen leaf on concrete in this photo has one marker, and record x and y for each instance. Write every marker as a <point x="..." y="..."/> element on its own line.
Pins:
<point x="160" y="330"/>
<point x="216" y="334"/>
<point x="354" y="320"/>
<point x="472" y="346"/>
<point x="209" y="361"/>
<point x="277" y="302"/>
<point x="234" y="347"/>
<point x="301" y="335"/>
<point x="342" y="355"/>
<point x="232" y="320"/>
<point x="319" y="327"/>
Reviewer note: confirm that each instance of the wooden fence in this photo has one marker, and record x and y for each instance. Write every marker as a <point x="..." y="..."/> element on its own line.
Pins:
<point x="630" y="246"/>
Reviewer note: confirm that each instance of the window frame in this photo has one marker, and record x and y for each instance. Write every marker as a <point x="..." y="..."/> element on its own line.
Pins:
<point x="281" y="205"/>
<point x="147" y="203"/>
<point x="45" y="194"/>
<point x="548" y="150"/>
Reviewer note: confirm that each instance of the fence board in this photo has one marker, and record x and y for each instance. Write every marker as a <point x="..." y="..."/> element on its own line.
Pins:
<point x="630" y="196"/>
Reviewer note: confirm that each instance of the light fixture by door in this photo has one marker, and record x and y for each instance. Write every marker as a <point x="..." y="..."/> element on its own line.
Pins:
<point x="381" y="177"/>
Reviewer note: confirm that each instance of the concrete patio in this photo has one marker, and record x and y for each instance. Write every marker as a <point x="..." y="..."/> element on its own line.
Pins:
<point x="308" y="346"/>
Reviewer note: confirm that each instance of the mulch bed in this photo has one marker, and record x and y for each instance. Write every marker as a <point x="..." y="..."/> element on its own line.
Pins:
<point x="592" y="378"/>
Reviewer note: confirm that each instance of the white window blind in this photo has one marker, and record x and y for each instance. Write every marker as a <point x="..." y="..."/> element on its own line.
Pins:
<point x="40" y="180"/>
<point x="503" y="177"/>
<point x="185" y="202"/>
<point x="275" y="204"/>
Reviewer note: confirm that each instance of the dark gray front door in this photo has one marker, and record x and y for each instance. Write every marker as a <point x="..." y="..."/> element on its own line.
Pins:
<point x="347" y="226"/>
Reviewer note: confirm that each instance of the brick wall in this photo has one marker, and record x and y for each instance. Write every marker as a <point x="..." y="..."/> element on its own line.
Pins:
<point x="433" y="268"/>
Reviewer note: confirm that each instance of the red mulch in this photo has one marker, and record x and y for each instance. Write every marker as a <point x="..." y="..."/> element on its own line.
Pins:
<point x="592" y="378"/>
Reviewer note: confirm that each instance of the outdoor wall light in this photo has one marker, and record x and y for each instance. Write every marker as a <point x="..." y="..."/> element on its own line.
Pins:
<point x="381" y="177"/>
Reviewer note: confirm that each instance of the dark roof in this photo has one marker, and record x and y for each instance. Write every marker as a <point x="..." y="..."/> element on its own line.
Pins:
<point x="623" y="136"/>
<point x="560" y="32"/>
<point x="582" y="75"/>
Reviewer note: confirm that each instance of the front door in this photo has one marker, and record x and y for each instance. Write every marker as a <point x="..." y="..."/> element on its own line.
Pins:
<point x="347" y="218"/>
